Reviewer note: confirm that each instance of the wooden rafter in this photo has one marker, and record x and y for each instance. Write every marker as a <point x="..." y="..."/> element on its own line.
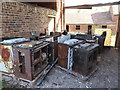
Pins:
<point x="89" y="6"/>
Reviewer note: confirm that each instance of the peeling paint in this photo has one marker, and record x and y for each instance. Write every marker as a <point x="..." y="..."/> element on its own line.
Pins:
<point x="6" y="54"/>
<point x="6" y="63"/>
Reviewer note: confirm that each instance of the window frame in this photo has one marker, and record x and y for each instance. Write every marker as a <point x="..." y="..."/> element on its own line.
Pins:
<point x="77" y="27"/>
<point x="104" y="26"/>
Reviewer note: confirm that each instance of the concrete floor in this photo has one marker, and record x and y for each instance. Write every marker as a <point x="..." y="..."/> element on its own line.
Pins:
<point x="105" y="77"/>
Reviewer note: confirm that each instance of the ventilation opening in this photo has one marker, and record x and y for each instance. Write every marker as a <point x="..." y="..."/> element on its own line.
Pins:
<point x="36" y="55"/>
<point x="21" y="62"/>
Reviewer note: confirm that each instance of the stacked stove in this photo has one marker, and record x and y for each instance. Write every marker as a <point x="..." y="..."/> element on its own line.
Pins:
<point x="77" y="55"/>
<point x="65" y="52"/>
<point x="30" y="59"/>
<point x="53" y="47"/>
<point x="6" y="54"/>
<point x="85" y="57"/>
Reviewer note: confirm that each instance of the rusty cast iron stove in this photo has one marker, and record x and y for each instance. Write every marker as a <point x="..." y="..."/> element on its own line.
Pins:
<point x="6" y="54"/>
<point x="30" y="59"/>
<point x="78" y="56"/>
<point x="53" y="47"/>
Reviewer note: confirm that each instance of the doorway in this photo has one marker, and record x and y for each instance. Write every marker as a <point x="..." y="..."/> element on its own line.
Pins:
<point x="89" y="29"/>
<point x="67" y="28"/>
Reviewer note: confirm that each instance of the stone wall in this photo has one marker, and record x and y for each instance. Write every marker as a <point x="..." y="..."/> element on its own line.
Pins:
<point x="19" y="19"/>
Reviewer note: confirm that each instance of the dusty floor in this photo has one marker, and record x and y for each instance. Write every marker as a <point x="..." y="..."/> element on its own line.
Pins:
<point x="105" y="77"/>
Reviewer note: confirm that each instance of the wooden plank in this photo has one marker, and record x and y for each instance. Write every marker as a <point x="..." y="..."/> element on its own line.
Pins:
<point x="117" y="44"/>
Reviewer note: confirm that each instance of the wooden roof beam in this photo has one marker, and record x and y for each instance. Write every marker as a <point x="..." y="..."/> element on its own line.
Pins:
<point x="89" y="6"/>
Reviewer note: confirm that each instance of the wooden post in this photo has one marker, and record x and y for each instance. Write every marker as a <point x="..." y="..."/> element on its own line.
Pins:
<point x="118" y="31"/>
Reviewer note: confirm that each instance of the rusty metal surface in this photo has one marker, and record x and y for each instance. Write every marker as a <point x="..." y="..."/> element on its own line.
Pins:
<point x="32" y="61"/>
<point x="63" y="55"/>
<point x="65" y="52"/>
<point x="53" y="47"/>
<point x="55" y="50"/>
<point x="105" y="77"/>
<point x="16" y="64"/>
<point x="6" y="54"/>
<point x="6" y="63"/>
<point x="85" y="58"/>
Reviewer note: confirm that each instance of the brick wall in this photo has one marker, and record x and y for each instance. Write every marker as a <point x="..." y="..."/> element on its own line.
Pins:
<point x="115" y="19"/>
<point x="113" y="28"/>
<point x="83" y="28"/>
<point x="19" y="19"/>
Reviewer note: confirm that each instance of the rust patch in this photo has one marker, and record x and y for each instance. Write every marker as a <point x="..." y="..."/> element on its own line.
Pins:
<point x="5" y="53"/>
<point x="6" y="57"/>
<point x="62" y="55"/>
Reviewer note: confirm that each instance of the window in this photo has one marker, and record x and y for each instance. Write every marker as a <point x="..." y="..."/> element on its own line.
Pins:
<point x="89" y="27"/>
<point x="77" y="27"/>
<point x="104" y="26"/>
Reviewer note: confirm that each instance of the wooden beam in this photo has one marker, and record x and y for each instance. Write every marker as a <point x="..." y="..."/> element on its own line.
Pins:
<point x="43" y="3"/>
<point x="79" y="7"/>
<point x="51" y="5"/>
<point x="51" y="16"/>
<point x="89" y="6"/>
<point x="117" y="44"/>
<point x="35" y="0"/>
